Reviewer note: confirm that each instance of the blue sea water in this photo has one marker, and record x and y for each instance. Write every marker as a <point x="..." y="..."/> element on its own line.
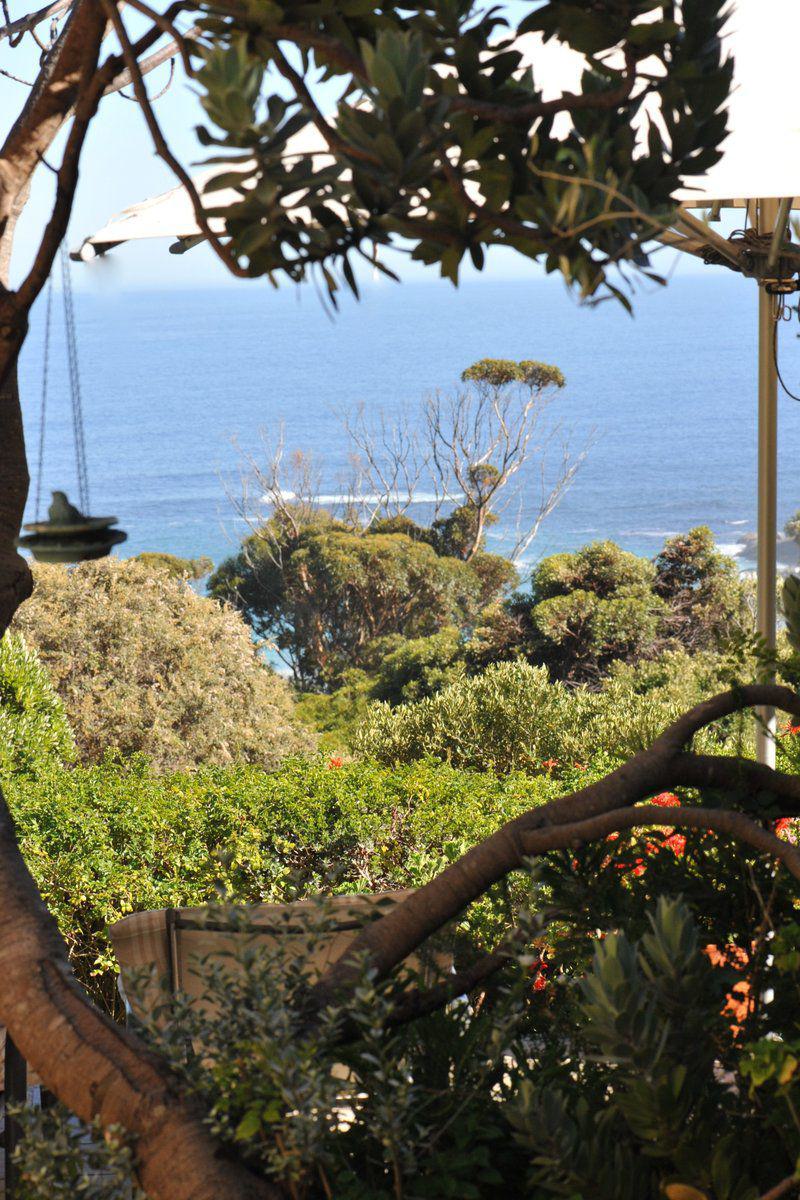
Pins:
<point x="172" y="381"/>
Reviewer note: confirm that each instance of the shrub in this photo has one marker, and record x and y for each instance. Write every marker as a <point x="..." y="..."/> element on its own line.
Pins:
<point x="33" y="725"/>
<point x="143" y="664"/>
<point x="600" y="604"/>
<point x="111" y="839"/>
<point x="706" y="598"/>
<point x="406" y="669"/>
<point x="511" y="717"/>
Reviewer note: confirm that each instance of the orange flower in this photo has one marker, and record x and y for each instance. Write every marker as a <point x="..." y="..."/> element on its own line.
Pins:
<point x="335" y="762"/>
<point x="739" y="1001"/>
<point x="666" y="800"/>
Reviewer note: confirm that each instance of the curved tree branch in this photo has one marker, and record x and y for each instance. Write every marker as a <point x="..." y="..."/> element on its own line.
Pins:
<point x="392" y="938"/>
<point x="725" y="821"/>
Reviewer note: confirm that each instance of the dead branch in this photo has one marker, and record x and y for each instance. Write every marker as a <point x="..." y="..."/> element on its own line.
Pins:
<point x="391" y="462"/>
<point x="165" y="54"/>
<point x="15" y="29"/>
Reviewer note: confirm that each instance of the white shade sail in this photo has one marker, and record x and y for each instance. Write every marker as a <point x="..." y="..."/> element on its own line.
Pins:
<point x="172" y="215"/>
<point x="761" y="156"/>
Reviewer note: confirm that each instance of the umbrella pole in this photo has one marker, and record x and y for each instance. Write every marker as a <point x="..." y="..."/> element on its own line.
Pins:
<point x="766" y="613"/>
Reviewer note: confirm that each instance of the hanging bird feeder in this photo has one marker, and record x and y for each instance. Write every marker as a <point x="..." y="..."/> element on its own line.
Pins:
<point x="69" y="534"/>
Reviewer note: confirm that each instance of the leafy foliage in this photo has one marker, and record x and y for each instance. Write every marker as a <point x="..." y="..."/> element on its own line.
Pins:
<point x="601" y="604"/>
<point x="511" y="717"/>
<point x="33" y="725"/>
<point x="702" y="588"/>
<point x="442" y="140"/>
<point x="325" y="593"/>
<point x="60" y="1158"/>
<point x="180" y="568"/>
<point x="601" y="1065"/>
<point x="107" y="840"/>
<point x="143" y="664"/>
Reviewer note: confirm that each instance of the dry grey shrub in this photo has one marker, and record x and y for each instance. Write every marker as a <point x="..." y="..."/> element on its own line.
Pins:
<point x="144" y="664"/>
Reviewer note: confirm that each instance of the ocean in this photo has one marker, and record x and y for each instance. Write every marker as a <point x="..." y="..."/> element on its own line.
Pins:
<point x="178" y="386"/>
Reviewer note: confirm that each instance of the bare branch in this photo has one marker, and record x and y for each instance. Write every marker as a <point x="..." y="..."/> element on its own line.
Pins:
<point x="15" y="29"/>
<point x="391" y="462"/>
<point x="782" y="1189"/>
<point x="166" y="54"/>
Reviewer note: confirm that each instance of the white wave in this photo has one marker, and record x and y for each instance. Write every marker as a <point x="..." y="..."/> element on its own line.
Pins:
<point x="344" y="498"/>
<point x="742" y="522"/>
<point x="732" y="549"/>
<point x="655" y="533"/>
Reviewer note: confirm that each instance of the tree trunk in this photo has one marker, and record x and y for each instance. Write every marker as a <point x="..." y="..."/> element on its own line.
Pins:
<point x="94" y="1067"/>
<point x="15" y="577"/>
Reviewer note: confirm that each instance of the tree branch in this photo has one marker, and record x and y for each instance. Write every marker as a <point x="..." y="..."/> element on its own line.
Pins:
<point x="51" y="99"/>
<point x="734" y="824"/>
<point x="392" y="938"/>
<point x="26" y="23"/>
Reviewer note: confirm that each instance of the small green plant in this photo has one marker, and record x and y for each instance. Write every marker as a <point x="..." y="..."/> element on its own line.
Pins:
<point x="34" y="729"/>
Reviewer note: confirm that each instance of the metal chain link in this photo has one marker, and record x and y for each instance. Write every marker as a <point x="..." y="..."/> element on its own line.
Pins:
<point x="43" y="408"/>
<point x="74" y="382"/>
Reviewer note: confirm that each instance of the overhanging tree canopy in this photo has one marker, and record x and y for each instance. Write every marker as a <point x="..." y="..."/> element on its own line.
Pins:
<point x="439" y="141"/>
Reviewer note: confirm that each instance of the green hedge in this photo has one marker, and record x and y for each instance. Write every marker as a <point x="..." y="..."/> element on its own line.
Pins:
<point x="112" y="839"/>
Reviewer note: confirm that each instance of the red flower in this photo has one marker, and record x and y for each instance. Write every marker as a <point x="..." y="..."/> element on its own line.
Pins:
<point x="549" y="763"/>
<point x="792" y="728"/>
<point x="335" y="762"/>
<point x="539" y="983"/>
<point x="666" y="800"/>
<point x="676" y="843"/>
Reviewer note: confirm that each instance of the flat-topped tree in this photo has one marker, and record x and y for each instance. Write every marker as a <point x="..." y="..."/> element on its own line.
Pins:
<point x="442" y="142"/>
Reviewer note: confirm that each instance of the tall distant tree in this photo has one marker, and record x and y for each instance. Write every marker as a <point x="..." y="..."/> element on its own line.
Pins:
<point x="442" y="139"/>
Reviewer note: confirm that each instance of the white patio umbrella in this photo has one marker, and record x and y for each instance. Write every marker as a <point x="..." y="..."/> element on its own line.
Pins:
<point x="758" y="173"/>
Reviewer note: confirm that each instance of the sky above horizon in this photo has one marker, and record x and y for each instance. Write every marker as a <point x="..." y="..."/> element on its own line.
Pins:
<point x="119" y="168"/>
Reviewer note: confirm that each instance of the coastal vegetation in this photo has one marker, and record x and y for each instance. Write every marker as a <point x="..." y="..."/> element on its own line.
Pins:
<point x="594" y="999"/>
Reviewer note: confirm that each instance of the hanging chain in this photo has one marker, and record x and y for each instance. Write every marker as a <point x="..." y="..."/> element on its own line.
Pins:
<point x="74" y="382"/>
<point x="43" y="411"/>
